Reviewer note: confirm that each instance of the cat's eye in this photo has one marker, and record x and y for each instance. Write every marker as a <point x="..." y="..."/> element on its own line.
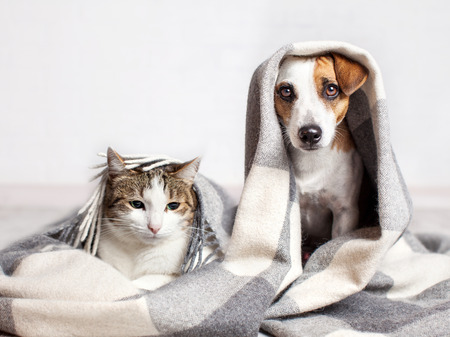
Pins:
<point x="137" y="204"/>
<point x="173" y="206"/>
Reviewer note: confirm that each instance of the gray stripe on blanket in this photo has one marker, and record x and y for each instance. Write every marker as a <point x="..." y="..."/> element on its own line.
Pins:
<point x="205" y="284"/>
<point x="253" y="121"/>
<point x="371" y="311"/>
<point x="236" y="315"/>
<point x="6" y="316"/>
<point x="414" y="243"/>
<point x="368" y="312"/>
<point x="213" y="198"/>
<point x="275" y="159"/>
<point x="319" y="324"/>
<point x="380" y="284"/>
<point x="434" y="295"/>
<point x="310" y="326"/>
<point x="395" y="206"/>
<point x="435" y="242"/>
<point x="267" y="150"/>
<point x="422" y="326"/>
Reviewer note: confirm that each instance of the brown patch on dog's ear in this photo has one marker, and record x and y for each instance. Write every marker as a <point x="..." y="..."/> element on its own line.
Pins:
<point x="350" y="74"/>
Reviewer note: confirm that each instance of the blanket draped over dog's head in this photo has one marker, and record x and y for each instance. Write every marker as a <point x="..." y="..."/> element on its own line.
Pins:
<point x="379" y="279"/>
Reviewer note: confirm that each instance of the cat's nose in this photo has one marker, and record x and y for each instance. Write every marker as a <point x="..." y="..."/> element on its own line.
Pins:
<point x="154" y="228"/>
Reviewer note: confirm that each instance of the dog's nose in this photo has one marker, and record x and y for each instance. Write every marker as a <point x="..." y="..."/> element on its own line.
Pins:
<point x="310" y="134"/>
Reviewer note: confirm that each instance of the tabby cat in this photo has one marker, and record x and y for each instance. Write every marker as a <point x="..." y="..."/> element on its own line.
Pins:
<point x="147" y="217"/>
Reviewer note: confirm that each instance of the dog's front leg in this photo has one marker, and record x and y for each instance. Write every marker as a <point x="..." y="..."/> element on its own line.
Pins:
<point x="345" y="220"/>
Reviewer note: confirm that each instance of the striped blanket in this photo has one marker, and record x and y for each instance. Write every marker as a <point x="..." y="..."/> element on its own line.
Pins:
<point x="379" y="280"/>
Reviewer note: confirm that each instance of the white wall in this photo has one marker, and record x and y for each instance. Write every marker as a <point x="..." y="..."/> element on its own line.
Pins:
<point x="172" y="77"/>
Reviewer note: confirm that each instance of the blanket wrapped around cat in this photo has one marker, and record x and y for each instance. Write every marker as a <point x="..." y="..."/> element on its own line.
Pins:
<point x="379" y="280"/>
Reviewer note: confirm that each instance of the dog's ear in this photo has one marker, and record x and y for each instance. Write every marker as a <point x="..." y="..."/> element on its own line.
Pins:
<point x="350" y="74"/>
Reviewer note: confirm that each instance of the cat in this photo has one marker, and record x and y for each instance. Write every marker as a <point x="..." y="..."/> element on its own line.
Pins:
<point x="147" y="219"/>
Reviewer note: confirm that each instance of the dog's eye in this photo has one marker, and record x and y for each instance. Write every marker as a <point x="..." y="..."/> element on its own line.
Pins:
<point x="286" y="92"/>
<point x="332" y="90"/>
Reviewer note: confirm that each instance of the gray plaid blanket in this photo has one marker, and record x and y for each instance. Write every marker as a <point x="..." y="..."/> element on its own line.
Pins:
<point x="377" y="281"/>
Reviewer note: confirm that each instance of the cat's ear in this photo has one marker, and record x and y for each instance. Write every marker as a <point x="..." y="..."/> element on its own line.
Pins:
<point x="116" y="164"/>
<point x="186" y="171"/>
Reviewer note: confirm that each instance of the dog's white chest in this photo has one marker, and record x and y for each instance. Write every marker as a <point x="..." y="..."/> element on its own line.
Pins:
<point x="324" y="170"/>
<point x="328" y="184"/>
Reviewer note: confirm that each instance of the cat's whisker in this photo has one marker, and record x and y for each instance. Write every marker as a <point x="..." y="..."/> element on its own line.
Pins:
<point x="119" y="235"/>
<point x="195" y="228"/>
<point x="186" y="235"/>
<point x="114" y="220"/>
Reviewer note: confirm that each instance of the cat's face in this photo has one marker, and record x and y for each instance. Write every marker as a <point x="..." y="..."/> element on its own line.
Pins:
<point x="149" y="206"/>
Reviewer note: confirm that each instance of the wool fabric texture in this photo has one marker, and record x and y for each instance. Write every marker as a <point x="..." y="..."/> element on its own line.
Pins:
<point x="379" y="280"/>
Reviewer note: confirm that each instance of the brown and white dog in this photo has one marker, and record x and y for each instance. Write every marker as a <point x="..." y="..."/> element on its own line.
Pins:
<point x="311" y="100"/>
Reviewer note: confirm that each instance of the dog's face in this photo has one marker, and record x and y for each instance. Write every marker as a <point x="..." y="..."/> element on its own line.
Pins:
<point x="312" y="97"/>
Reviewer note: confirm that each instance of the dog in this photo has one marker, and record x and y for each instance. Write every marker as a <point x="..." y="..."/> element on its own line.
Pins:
<point x="311" y="100"/>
